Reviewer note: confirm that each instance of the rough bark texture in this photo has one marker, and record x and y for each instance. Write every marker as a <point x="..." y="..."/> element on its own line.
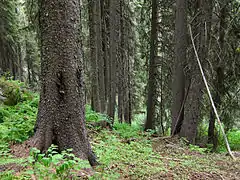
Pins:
<point x="179" y="78"/>
<point x="151" y="104"/>
<point x="60" y="117"/>
<point x="94" y="55"/>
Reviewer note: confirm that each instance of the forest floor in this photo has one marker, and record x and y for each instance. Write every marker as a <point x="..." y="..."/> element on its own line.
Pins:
<point x="125" y="152"/>
<point x="136" y="155"/>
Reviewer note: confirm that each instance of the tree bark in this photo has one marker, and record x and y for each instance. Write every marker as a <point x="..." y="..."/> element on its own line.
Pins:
<point x="180" y="60"/>
<point x="152" y="81"/>
<point x="100" y="60"/>
<point x="192" y="110"/>
<point x="94" y="55"/>
<point x="61" y="115"/>
<point x="219" y="82"/>
<point x="121" y="66"/>
<point x="113" y="28"/>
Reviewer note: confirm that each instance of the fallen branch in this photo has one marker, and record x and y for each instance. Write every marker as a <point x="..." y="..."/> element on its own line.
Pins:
<point x="210" y="96"/>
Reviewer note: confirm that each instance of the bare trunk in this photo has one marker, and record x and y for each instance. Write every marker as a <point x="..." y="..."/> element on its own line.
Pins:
<point x="61" y="118"/>
<point x="100" y="59"/>
<point x="151" y="104"/>
<point x="113" y="27"/>
<point x="179" y="77"/>
<point x="93" y="28"/>
<point x="219" y="82"/>
<point x="192" y="108"/>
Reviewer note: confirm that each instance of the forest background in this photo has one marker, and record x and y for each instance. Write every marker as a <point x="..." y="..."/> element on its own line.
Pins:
<point x="140" y="69"/>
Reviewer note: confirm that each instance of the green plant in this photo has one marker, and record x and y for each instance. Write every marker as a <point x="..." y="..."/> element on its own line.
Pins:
<point x="118" y="158"/>
<point x="54" y="165"/>
<point x="234" y="141"/>
<point x="198" y="149"/>
<point x="127" y="131"/>
<point x="92" y="116"/>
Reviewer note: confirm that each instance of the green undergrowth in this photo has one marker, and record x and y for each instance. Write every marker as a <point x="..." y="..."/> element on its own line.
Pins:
<point x="17" y="121"/>
<point x="233" y="137"/>
<point x="125" y="152"/>
<point x="133" y="158"/>
<point x="234" y="141"/>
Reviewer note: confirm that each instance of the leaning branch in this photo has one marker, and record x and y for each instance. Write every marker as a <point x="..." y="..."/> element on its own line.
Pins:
<point x="210" y="96"/>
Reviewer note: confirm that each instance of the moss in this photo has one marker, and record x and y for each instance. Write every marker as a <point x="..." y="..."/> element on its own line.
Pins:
<point x="10" y="91"/>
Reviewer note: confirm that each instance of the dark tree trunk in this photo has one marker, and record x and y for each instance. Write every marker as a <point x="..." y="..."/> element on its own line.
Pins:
<point x="219" y="82"/>
<point x="127" y="70"/>
<point x="105" y="46"/>
<point x="94" y="55"/>
<point x="61" y="115"/>
<point x="121" y="67"/>
<point x="152" y="81"/>
<point x="29" y="61"/>
<point x="20" y="62"/>
<point x="113" y="38"/>
<point x="100" y="60"/>
<point x="180" y="60"/>
<point x="192" y="109"/>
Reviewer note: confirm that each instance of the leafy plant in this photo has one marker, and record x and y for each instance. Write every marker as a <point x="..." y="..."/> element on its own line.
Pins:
<point x="54" y="165"/>
<point x="127" y="131"/>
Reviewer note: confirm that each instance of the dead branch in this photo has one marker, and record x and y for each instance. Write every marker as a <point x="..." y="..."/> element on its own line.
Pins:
<point x="210" y="96"/>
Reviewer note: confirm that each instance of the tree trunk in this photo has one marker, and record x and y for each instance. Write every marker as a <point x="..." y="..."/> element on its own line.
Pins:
<point x="100" y="60"/>
<point x="105" y="47"/>
<point x="121" y="67"/>
<point x="179" y="77"/>
<point x="152" y="81"/>
<point x="61" y="115"/>
<point x="113" y="28"/>
<point x="219" y="82"/>
<point x="192" y="110"/>
<point x="94" y="55"/>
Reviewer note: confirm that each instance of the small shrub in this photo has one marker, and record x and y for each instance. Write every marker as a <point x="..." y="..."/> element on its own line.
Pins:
<point x="127" y="131"/>
<point x="54" y="165"/>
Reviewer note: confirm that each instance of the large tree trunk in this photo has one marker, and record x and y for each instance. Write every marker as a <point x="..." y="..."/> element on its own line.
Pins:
<point x="179" y="78"/>
<point x="61" y="116"/>
<point x="219" y="82"/>
<point x="152" y="79"/>
<point x="192" y="109"/>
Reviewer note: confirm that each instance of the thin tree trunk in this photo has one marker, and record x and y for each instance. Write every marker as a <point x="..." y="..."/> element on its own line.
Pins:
<point x="152" y="81"/>
<point x="94" y="55"/>
<point x="113" y="26"/>
<point x="121" y="67"/>
<point x="100" y="60"/>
